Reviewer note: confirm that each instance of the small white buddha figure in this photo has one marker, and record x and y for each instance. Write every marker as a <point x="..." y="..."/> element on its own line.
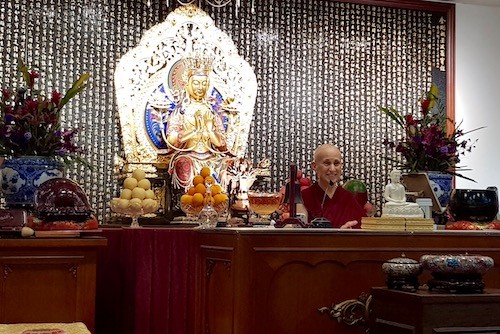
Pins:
<point x="396" y="204"/>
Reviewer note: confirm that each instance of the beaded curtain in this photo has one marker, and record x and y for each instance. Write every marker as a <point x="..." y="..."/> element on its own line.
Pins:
<point x="323" y="68"/>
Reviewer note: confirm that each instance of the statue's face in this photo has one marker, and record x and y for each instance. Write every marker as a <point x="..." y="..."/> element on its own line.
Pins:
<point x="395" y="177"/>
<point x="197" y="87"/>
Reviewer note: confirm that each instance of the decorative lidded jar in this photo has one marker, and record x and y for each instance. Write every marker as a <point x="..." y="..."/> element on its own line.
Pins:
<point x="402" y="273"/>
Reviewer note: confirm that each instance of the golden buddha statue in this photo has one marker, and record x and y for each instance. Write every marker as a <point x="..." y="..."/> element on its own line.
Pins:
<point x="195" y="129"/>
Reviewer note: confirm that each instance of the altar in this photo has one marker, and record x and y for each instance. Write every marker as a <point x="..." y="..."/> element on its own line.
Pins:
<point x="256" y="280"/>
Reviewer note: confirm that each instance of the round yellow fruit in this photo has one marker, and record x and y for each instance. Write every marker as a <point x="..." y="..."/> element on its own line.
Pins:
<point x="149" y="205"/>
<point x="197" y="199"/>
<point x="139" y="174"/>
<point x="200" y="189"/>
<point x="197" y="180"/>
<point x="130" y="183"/>
<point x="144" y="184"/>
<point x="205" y="171"/>
<point x="150" y="194"/>
<point x="191" y="191"/>
<point x="219" y="198"/>
<point x="139" y="193"/>
<point x="186" y="199"/>
<point x="135" y="204"/>
<point x="136" y="201"/>
<point x="122" y="204"/>
<point x="126" y="193"/>
<point x="216" y="189"/>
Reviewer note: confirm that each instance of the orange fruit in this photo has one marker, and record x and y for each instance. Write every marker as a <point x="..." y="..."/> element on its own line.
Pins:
<point x="197" y="199"/>
<point x="205" y="171"/>
<point x="191" y="191"/>
<point x="198" y="179"/>
<point x="209" y="180"/>
<point x="200" y="188"/>
<point x="216" y="189"/>
<point x="186" y="199"/>
<point x="219" y="198"/>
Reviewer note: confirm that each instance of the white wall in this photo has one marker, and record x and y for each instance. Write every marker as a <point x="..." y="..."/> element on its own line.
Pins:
<point x="478" y="91"/>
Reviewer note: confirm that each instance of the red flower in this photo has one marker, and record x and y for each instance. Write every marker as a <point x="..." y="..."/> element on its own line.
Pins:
<point x="425" y="106"/>
<point x="56" y="97"/>
<point x="32" y="76"/>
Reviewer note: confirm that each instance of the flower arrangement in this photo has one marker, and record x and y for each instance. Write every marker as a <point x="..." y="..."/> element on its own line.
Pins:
<point x="30" y="122"/>
<point x="426" y="145"/>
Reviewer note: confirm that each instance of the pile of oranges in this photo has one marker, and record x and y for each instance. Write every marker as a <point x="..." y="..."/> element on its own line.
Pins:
<point x="198" y="195"/>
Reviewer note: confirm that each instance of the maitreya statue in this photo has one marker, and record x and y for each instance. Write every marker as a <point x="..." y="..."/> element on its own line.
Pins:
<point x="196" y="128"/>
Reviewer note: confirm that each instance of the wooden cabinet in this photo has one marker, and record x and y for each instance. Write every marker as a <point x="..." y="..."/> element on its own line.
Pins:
<point x="275" y="280"/>
<point x="425" y="312"/>
<point x="48" y="280"/>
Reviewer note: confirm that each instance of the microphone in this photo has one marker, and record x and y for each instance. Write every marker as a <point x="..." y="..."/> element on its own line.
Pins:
<point x="322" y="222"/>
<point x="330" y="184"/>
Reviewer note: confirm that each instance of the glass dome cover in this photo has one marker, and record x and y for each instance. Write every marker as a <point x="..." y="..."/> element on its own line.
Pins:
<point x="61" y="199"/>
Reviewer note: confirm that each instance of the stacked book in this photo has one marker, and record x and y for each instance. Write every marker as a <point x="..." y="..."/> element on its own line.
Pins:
<point x="397" y="224"/>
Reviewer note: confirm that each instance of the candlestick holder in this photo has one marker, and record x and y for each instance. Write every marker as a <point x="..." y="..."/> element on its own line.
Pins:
<point x="292" y="197"/>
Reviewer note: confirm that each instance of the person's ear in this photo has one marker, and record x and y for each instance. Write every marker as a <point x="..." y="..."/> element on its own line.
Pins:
<point x="313" y="165"/>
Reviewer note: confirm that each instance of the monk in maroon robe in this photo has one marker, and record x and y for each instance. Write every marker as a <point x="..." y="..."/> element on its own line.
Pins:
<point x="326" y="198"/>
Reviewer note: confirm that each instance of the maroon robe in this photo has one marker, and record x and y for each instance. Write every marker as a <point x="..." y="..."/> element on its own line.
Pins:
<point x="339" y="209"/>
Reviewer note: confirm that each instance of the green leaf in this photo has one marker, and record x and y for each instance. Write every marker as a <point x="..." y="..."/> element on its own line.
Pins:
<point x="76" y="88"/>
<point x="394" y="115"/>
<point x="24" y="71"/>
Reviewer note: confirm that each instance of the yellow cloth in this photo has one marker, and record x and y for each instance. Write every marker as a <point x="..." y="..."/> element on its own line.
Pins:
<point x="72" y="328"/>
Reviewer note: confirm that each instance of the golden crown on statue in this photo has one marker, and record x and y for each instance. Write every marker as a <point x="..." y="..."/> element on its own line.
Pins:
<point x="198" y="64"/>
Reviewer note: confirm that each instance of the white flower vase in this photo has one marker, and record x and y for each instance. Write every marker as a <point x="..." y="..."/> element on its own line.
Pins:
<point x="21" y="177"/>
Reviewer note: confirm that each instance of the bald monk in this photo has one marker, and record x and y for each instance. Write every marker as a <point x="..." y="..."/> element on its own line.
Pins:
<point x="325" y="198"/>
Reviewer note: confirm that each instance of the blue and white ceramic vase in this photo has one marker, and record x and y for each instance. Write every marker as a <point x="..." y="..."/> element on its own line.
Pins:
<point x="442" y="185"/>
<point x="21" y="177"/>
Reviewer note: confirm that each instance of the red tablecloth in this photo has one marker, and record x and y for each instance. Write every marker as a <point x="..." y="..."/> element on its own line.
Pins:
<point x="146" y="281"/>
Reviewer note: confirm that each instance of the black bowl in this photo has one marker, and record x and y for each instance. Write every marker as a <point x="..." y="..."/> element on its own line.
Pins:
<point x="475" y="205"/>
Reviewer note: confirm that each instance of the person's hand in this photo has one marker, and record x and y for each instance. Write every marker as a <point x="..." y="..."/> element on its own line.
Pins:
<point x="350" y="224"/>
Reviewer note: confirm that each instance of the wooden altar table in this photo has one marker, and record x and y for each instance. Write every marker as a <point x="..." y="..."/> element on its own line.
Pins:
<point x="248" y="280"/>
<point x="274" y="281"/>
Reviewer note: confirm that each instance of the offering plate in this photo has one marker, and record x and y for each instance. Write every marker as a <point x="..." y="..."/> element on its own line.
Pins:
<point x="461" y="273"/>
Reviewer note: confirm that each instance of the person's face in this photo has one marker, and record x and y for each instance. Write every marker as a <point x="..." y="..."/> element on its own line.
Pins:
<point x="328" y="165"/>
<point x="197" y="87"/>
